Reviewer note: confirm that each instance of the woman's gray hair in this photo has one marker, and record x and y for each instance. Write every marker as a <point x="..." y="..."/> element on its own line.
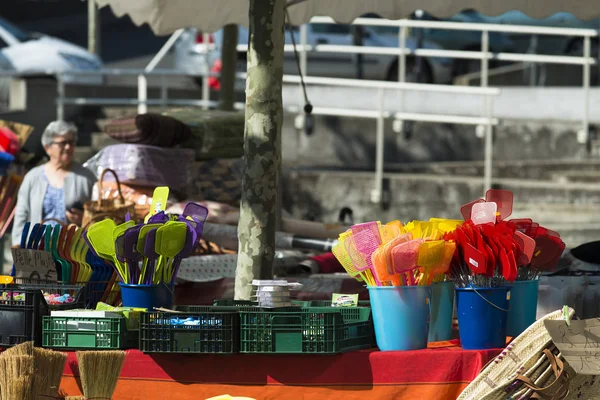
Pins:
<point x="57" y="129"/>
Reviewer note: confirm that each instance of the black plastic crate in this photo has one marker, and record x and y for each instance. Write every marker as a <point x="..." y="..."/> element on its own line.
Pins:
<point x="93" y="291"/>
<point x="23" y="306"/>
<point x="207" y="332"/>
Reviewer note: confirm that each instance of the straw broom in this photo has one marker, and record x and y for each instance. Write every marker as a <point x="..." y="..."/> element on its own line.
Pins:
<point x="99" y="371"/>
<point x="49" y="366"/>
<point x="20" y="388"/>
<point x="23" y="349"/>
<point x="16" y="377"/>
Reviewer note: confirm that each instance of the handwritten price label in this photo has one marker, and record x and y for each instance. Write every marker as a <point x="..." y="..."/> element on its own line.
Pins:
<point x="34" y="264"/>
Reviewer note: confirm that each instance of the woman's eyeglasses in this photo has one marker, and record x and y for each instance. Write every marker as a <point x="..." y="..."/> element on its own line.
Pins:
<point x="64" y="143"/>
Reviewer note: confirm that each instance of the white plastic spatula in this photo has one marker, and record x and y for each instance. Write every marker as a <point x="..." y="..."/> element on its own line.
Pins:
<point x="484" y="213"/>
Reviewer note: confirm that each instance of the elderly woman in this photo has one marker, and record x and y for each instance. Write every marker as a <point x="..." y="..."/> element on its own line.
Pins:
<point x="56" y="189"/>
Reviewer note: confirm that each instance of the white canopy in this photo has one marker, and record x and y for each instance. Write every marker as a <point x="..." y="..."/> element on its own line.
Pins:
<point x="166" y="16"/>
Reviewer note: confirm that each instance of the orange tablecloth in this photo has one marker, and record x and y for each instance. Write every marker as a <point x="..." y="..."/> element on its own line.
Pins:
<point x="438" y="373"/>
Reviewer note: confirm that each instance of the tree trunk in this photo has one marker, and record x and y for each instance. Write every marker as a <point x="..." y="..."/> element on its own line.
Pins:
<point x="262" y="145"/>
<point x="229" y="60"/>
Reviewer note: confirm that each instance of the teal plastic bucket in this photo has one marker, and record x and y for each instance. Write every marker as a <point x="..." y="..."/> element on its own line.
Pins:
<point x="482" y="317"/>
<point x="442" y="306"/>
<point x="400" y="316"/>
<point x="523" y="306"/>
<point x="147" y="296"/>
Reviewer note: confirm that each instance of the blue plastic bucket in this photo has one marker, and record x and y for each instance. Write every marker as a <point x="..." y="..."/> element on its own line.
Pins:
<point x="482" y="316"/>
<point x="400" y="316"/>
<point x="523" y="306"/>
<point x="147" y="296"/>
<point x="442" y="306"/>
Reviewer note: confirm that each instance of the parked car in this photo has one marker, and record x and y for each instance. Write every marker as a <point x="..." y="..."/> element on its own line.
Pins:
<point x="454" y="40"/>
<point x="546" y="44"/>
<point x="27" y="52"/>
<point x="194" y="56"/>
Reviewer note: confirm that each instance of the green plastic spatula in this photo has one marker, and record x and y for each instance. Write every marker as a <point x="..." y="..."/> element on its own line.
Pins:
<point x="101" y="238"/>
<point x="119" y="231"/>
<point x="170" y="240"/>
<point x="159" y="201"/>
<point x="141" y="246"/>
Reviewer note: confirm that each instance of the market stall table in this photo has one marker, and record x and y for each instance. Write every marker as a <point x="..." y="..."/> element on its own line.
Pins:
<point x="440" y="372"/>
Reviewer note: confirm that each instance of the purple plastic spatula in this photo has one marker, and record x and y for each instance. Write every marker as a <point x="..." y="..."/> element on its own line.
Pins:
<point x="130" y="252"/>
<point x="196" y="211"/>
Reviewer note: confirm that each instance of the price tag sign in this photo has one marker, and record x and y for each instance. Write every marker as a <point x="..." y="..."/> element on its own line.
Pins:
<point x="34" y="264"/>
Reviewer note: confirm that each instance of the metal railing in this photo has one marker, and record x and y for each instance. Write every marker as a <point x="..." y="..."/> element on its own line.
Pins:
<point x="378" y="113"/>
<point x="484" y="55"/>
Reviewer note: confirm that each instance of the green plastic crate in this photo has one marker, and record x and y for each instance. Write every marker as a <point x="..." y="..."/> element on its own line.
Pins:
<point x="212" y="332"/>
<point x="350" y="314"/>
<point x="86" y="333"/>
<point x="327" y="303"/>
<point x="320" y="330"/>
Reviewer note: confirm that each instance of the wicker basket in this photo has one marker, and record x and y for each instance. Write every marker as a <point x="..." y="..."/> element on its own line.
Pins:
<point x="115" y="209"/>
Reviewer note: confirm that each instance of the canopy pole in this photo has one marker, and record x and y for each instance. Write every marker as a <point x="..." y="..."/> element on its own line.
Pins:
<point x="229" y="60"/>
<point x="262" y="145"/>
<point x="93" y="28"/>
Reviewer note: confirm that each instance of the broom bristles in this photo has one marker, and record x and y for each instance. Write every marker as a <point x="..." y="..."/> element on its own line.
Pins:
<point x="23" y="349"/>
<point x="16" y="374"/>
<point x="99" y="372"/>
<point x="75" y="398"/>
<point x="20" y="388"/>
<point x="49" y="366"/>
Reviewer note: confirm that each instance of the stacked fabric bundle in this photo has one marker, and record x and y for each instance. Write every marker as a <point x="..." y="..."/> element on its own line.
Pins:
<point x="149" y="156"/>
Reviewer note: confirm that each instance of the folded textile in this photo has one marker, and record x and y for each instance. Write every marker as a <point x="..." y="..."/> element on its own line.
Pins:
<point x="150" y="129"/>
<point x="142" y="165"/>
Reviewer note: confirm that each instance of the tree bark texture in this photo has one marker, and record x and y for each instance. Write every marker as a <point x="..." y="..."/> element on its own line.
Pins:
<point x="262" y="145"/>
<point x="229" y="60"/>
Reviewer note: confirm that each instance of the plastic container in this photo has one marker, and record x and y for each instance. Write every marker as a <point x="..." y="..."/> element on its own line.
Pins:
<point x="87" y="333"/>
<point x="482" y="317"/>
<point x="523" y="306"/>
<point x="442" y="306"/>
<point x="21" y="320"/>
<point x="313" y="330"/>
<point x="206" y="331"/>
<point x="147" y="296"/>
<point x="401" y="316"/>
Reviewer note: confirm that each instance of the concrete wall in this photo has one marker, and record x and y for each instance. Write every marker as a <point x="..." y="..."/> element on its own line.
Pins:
<point x="350" y="143"/>
<point x="572" y="209"/>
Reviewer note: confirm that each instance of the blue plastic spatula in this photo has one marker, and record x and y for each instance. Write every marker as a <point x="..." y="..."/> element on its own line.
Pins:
<point x="34" y="233"/>
<point x="24" y="235"/>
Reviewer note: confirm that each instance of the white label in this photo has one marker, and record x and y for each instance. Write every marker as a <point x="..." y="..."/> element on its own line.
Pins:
<point x="34" y="264"/>
<point x="473" y="262"/>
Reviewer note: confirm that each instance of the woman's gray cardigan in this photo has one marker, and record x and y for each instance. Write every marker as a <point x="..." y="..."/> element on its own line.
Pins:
<point x="79" y="183"/>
